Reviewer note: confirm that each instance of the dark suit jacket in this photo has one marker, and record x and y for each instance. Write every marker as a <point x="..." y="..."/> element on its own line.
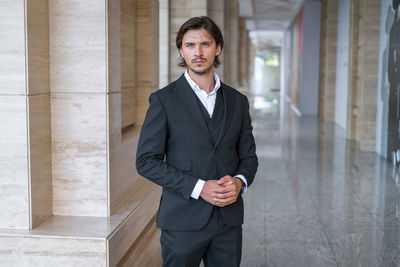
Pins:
<point x="175" y="150"/>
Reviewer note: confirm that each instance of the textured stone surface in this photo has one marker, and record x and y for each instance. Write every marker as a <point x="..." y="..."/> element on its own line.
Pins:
<point x="12" y="48"/>
<point x="79" y="147"/>
<point x="40" y="158"/>
<point x="363" y="74"/>
<point x="328" y="60"/>
<point x="78" y="46"/>
<point x="14" y="189"/>
<point x="317" y="199"/>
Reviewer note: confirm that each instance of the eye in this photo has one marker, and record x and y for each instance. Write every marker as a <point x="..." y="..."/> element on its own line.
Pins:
<point x="206" y="44"/>
<point x="189" y="45"/>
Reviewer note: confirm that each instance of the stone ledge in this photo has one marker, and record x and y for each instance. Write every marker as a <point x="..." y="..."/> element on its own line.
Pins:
<point x="118" y="232"/>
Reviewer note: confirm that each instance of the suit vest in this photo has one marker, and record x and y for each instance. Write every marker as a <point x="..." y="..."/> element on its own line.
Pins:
<point x="215" y="122"/>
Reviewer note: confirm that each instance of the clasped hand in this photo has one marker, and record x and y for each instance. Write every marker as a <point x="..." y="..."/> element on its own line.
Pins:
<point x="221" y="192"/>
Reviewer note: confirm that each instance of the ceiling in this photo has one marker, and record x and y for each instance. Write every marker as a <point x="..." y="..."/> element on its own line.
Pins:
<point x="267" y="19"/>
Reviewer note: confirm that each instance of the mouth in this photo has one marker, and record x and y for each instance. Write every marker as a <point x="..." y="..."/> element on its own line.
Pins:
<point x="198" y="61"/>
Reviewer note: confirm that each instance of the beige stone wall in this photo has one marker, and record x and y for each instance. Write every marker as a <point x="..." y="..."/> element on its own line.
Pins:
<point x="127" y="61"/>
<point x="143" y="65"/>
<point x="25" y="161"/>
<point x="181" y="11"/>
<point x="244" y="50"/>
<point x="164" y="43"/>
<point x="147" y="54"/>
<point x="328" y="60"/>
<point x="231" y="70"/>
<point x="364" y="44"/>
<point x="215" y="10"/>
<point x="78" y="78"/>
<point x="74" y="74"/>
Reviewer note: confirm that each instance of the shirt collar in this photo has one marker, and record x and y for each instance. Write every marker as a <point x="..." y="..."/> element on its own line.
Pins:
<point x="195" y="87"/>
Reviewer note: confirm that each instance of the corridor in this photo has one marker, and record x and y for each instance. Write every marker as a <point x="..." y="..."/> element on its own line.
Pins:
<point x="317" y="200"/>
<point x="322" y="78"/>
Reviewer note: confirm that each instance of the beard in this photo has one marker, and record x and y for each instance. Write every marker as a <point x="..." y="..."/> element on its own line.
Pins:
<point x="201" y="72"/>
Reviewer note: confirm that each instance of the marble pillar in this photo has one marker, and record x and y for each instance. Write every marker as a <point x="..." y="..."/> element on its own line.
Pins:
<point x="243" y="56"/>
<point x="181" y="11"/>
<point x="231" y="71"/>
<point x="25" y="135"/>
<point x="75" y="77"/>
<point x="363" y="74"/>
<point x="79" y="87"/>
<point x="164" y="43"/>
<point x="215" y="10"/>
<point x="327" y="80"/>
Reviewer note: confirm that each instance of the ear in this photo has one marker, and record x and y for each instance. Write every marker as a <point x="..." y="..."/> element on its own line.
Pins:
<point x="181" y="53"/>
<point x="218" y="50"/>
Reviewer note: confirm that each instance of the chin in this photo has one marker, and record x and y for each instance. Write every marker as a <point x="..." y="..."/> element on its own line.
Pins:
<point x="201" y="71"/>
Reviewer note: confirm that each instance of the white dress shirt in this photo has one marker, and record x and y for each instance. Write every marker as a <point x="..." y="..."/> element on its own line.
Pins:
<point x="208" y="101"/>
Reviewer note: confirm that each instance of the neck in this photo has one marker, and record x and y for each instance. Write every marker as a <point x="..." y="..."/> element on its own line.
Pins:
<point x="204" y="81"/>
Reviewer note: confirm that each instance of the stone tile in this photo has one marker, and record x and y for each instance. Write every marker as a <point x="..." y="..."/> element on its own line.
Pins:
<point x="317" y="200"/>
<point x="114" y="45"/>
<point x="14" y="188"/>
<point x="38" y="47"/>
<point x="40" y="158"/>
<point x="12" y="48"/>
<point x="79" y="149"/>
<point x="22" y="251"/>
<point x="123" y="174"/>
<point x="299" y="253"/>
<point x="80" y="64"/>
<point x="368" y="247"/>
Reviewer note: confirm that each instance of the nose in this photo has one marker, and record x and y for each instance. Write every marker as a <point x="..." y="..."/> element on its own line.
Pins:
<point x="198" y="51"/>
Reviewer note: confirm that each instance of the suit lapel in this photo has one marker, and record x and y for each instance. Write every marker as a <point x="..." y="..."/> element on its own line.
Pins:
<point x="229" y="104"/>
<point x="189" y="101"/>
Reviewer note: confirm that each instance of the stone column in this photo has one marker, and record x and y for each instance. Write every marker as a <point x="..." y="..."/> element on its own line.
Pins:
<point x="25" y="134"/>
<point x="215" y="10"/>
<point x="181" y="11"/>
<point x="243" y="56"/>
<point x="231" y="71"/>
<point x="79" y="87"/>
<point x="164" y="43"/>
<point x="74" y="83"/>
<point x="364" y="44"/>
<point x="147" y="53"/>
<point x="328" y="60"/>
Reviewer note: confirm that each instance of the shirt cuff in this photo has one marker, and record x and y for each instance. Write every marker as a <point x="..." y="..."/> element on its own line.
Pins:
<point x="241" y="177"/>
<point x="197" y="189"/>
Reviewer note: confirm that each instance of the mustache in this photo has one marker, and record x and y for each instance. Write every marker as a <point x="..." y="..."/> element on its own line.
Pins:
<point x="198" y="58"/>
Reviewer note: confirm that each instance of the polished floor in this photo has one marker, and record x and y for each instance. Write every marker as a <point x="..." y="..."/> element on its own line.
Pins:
<point x="317" y="200"/>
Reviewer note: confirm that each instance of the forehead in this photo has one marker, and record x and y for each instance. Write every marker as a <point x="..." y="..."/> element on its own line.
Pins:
<point x="197" y="35"/>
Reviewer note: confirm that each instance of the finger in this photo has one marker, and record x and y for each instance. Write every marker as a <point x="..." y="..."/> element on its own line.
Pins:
<point x="223" y="196"/>
<point x="224" y="179"/>
<point x="227" y="183"/>
<point x="225" y="189"/>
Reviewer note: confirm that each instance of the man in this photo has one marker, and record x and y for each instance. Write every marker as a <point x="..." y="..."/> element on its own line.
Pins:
<point x="197" y="143"/>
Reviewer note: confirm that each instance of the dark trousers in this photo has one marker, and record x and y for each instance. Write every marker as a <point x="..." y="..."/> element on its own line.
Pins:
<point x="217" y="244"/>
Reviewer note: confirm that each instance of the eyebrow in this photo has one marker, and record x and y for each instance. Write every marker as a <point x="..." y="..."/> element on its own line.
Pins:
<point x="189" y="42"/>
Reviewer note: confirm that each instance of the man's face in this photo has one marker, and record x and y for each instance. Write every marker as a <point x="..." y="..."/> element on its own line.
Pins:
<point x="199" y="51"/>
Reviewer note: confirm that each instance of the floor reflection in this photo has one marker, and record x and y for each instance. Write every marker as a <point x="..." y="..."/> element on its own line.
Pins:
<point x="317" y="200"/>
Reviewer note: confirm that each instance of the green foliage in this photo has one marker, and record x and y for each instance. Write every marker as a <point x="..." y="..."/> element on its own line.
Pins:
<point x="272" y="60"/>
